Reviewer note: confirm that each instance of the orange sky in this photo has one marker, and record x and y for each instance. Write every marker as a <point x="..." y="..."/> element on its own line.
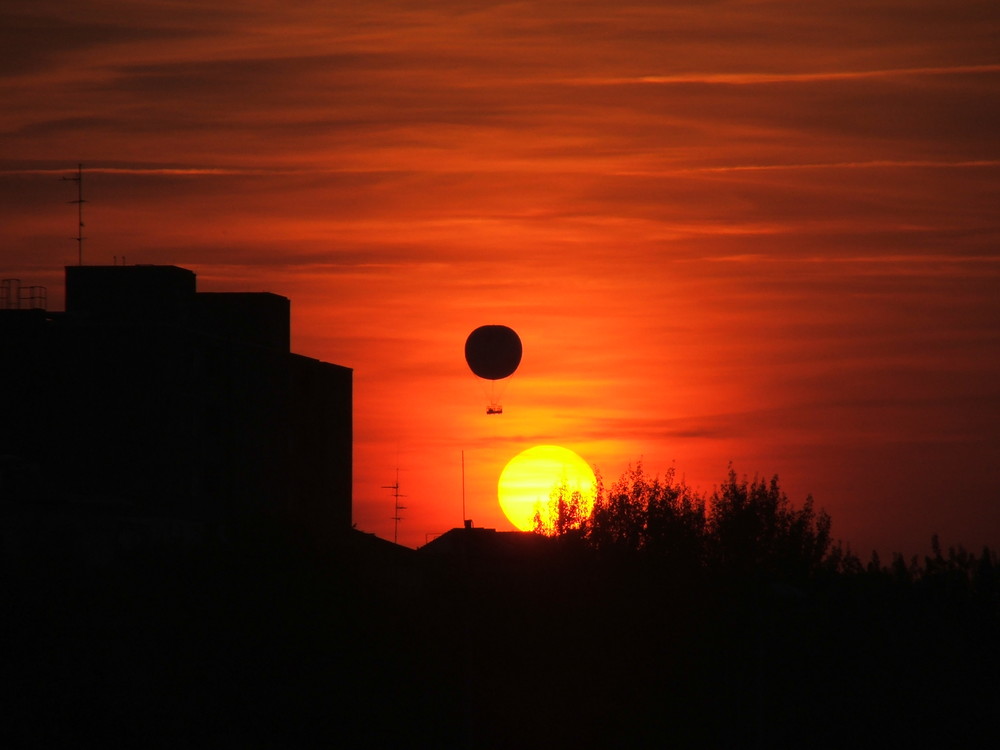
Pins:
<point x="755" y="232"/>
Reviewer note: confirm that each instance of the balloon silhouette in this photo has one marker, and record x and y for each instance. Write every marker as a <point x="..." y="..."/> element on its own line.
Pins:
<point x="493" y="352"/>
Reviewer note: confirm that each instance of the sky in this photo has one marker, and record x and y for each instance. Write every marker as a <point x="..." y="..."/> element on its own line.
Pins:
<point x="740" y="233"/>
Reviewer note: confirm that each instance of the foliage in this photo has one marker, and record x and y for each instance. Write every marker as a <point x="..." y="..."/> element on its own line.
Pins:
<point x="745" y="526"/>
<point x="752" y="527"/>
<point x="565" y="515"/>
<point x="660" y="517"/>
<point x="747" y="529"/>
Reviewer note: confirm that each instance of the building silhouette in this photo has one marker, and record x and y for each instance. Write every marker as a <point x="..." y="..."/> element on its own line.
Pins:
<point x="149" y="399"/>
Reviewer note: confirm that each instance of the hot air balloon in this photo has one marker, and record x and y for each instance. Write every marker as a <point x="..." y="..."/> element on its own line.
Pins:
<point x="493" y="353"/>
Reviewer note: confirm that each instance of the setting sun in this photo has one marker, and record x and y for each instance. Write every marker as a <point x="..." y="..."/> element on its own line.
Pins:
<point x="530" y="478"/>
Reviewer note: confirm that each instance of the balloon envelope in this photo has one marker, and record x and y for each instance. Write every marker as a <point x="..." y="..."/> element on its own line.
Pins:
<point x="493" y="352"/>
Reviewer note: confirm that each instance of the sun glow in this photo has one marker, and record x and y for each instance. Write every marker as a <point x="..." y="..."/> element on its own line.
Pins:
<point x="533" y="477"/>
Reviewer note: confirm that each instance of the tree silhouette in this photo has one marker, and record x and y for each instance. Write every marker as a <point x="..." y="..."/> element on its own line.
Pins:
<point x="662" y="518"/>
<point x="746" y="527"/>
<point x="564" y="515"/>
<point x="753" y="528"/>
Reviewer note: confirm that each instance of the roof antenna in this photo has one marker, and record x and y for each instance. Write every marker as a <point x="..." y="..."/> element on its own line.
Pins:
<point x="78" y="179"/>
<point x="396" y="517"/>
<point x="465" y="519"/>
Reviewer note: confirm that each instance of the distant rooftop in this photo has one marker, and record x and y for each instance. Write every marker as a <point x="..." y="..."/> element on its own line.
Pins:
<point x="166" y="295"/>
<point x="486" y="543"/>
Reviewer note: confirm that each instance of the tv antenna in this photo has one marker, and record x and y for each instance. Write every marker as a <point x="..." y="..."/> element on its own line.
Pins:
<point x="397" y="507"/>
<point x="78" y="179"/>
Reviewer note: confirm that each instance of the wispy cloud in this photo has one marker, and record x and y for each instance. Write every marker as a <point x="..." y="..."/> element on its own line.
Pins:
<point x="752" y="79"/>
<point x="875" y="164"/>
<point x="140" y="171"/>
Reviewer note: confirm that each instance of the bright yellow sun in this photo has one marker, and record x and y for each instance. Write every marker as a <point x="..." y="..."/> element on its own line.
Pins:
<point x="529" y="479"/>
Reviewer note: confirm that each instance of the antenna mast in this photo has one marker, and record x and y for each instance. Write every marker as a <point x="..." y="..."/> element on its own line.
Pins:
<point x="78" y="179"/>
<point x="397" y="507"/>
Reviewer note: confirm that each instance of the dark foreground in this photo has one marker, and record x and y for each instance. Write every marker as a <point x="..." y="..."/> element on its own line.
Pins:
<point x="264" y="645"/>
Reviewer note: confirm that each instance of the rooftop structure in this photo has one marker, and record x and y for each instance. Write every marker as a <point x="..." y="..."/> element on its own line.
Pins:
<point x="155" y="399"/>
